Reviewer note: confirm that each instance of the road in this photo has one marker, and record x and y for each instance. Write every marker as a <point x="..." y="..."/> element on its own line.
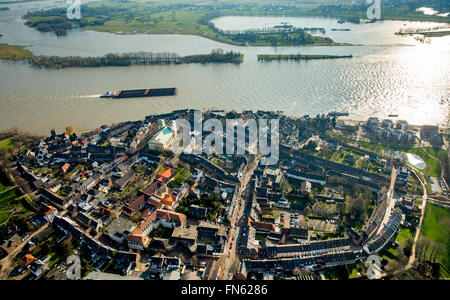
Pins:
<point x="231" y="245"/>
<point x="8" y="260"/>
<point x="390" y="201"/>
<point x="412" y="258"/>
<point x="359" y="133"/>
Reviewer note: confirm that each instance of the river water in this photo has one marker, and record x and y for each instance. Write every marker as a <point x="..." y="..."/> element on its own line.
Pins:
<point x="382" y="78"/>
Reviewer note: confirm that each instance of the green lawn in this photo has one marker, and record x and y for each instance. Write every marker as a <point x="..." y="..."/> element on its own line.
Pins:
<point x="403" y="235"/>
<point x="8" y="205"/>
<point x="6" y="143"/>
<point x="436" y="227"/>
<point x="352" y="271"/>
<point x="182" y="175"/>
<point x="3" y="187"/>
<point x="6" y="197"/>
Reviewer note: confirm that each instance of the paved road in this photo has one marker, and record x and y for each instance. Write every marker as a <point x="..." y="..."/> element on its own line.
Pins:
<point x="231" y="245"/>
<point x="390" y="201"/>
<point x="412" y="258"/>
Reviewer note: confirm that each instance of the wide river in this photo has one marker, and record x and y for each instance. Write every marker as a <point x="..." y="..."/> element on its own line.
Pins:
<point x="384" y="76"/>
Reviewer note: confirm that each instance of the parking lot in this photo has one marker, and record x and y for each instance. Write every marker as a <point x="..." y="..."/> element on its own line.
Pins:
<point x="438" y="185"/>
<point x="288" y="220"/>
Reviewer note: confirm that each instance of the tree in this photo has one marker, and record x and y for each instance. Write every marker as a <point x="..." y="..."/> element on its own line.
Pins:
<point x="409" y="243"/>
<point x="70" y="130"/>
<point x="300" y="272"/>
<point x="234" y="268"/>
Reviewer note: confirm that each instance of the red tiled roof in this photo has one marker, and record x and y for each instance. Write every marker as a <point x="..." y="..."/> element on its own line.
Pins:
<point x="65" y="167"/>
<point x="135" y="205"/>
<point x="151" y="188"/>
<point x="168" y="200"/>
<point x="263" y="225"/>
<point x="29" y="259"/>
<point x="50" y="210"/>
<point x="137" y="235"/>
<point x="165" y="175"/>
<point x="170" y="215"/>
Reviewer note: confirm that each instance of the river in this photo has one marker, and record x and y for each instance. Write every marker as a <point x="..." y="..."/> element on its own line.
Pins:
<point x="382" y="78"/>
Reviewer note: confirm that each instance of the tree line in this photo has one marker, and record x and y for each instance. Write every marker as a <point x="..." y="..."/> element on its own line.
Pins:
<point x="134" y="59"/>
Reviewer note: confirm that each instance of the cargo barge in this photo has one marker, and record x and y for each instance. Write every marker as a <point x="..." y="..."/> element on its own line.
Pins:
<point x="140" y="93"/>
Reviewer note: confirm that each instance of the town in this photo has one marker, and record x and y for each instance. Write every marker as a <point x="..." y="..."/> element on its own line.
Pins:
<point x="129" y="208"/>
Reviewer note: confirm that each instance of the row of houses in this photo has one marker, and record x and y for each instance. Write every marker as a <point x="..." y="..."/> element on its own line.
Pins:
<point x="284" y="265"/>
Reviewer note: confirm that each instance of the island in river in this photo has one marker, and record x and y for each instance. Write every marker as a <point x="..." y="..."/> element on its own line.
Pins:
<point x="270" y="57"/>
<point x="18" y="53"/>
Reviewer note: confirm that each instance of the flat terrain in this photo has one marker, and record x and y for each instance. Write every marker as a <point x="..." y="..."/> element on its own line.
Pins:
<point x="436" y="227"/>
<point x="13" y="53"/>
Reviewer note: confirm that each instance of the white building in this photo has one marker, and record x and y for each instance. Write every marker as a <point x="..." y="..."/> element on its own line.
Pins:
<point x="162" y="141"/>
<point x="402" y="125"/>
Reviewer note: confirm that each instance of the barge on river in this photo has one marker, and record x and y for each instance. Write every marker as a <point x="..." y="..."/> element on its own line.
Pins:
<point x="140" y="93"/>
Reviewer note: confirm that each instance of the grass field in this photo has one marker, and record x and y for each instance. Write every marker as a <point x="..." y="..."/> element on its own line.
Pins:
<point x="436" y="227"/>
<point x="13" y="53"/>
<point x="6" y="144"/>
<point x="403" y="235"/>
<point x="3" y="187"/>
<point x="9" y="205"/>
<point x="6" y="204"/>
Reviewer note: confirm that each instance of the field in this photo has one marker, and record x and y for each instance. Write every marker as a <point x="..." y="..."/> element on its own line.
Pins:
<point x="13" y="53"/>
<point x="9" y="206"/>
<point x="6" y="144"/>
<point x="436" y="227"/>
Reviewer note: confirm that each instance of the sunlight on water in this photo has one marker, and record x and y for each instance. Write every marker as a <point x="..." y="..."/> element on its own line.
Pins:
<point x="411" y="81"/>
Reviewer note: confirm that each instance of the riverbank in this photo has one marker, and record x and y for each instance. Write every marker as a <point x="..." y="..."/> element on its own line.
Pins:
<point x="427" y="33"/>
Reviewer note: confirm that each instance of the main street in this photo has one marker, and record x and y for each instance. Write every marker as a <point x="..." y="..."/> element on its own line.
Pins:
<point x="231" y="246"/>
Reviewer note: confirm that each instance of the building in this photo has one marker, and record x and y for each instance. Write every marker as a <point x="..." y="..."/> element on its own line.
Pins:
<point x="184" y="236"/>
<point x="138" y="239"/>
<point x="402" y="125"/>
<point x="134" y="206"/>
<point x="379" y="241"/>
<point x="50" y="213"/>
<point x="166" y="175"/>
<point x="408" y="203"/>
<point x="10" y="244"/>
<point x="387" y="123"/>
<point x="109" y="276"/>
<point x="198" y="212"/>
<point x="162" y="140"/>
<point x="431" y="134"/>
<point x="65" y="167"/>
<point x="305" y="187"/>
<point x="124" y="180"/>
